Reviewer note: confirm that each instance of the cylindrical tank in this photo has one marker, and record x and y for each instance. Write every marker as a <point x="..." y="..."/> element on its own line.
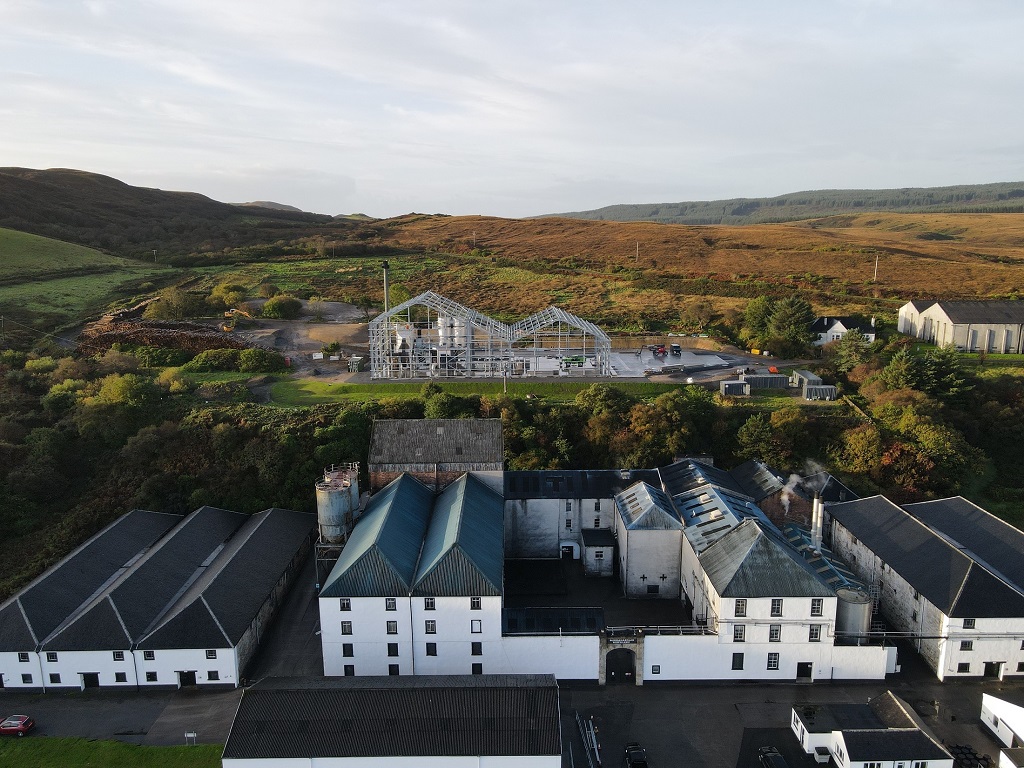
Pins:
<point x="853" y="612"/>
<point x="337" y="501"/>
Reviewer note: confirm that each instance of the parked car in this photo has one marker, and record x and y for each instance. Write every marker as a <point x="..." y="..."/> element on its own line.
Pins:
<point x="636" y="756"/>
<point x="677" y="351"/>
<point x="17" y="725"/>
<point x="770" y="757"/>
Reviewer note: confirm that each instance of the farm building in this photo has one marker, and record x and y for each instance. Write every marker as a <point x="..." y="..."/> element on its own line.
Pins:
<point x="973" y="326"/>
<point x="430" y="336"/>
<point x="491" y="720"/>
<point x="434" y="451"/>
<point x="828" y="329"/>
<point x="154" y="600"/>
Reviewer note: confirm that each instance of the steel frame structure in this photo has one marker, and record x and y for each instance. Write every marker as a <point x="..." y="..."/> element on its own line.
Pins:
<point x="430" y="336"/>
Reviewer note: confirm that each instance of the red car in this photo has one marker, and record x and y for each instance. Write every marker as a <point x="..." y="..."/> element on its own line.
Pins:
<point x="17" y="725"/>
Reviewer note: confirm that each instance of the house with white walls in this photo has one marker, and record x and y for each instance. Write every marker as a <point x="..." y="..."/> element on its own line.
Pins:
<point x="972" y="326"/>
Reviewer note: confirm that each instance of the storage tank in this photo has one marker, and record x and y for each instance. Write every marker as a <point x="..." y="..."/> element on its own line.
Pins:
<point x="853" y="613"/>
<point x="337" y="501"/>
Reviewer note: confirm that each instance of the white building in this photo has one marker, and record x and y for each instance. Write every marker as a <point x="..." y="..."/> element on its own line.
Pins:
<point x="829" y="329"/>
<point x="154" y="600"/>
<point x="973" y="326"/>
<point x="947" y="573"/>
<point x="491" y="721"/>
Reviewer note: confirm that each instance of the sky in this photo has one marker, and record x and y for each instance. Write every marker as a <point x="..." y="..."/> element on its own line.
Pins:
<point x="515" y="108"/>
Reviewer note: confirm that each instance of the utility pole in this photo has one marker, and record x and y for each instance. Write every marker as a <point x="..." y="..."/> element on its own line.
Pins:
<point x="384" y="264"/>
<point x="637" y="251"/>
<point x="875" y="278"/>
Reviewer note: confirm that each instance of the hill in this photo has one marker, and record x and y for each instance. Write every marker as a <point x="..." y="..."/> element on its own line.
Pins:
<point x="102" y="212"/>
<point x="971" y="198"/>
<point x="269" y="205"/>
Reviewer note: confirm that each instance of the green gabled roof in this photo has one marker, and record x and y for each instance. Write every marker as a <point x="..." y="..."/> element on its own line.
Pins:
<point x="464" y="549"/>
<point x="380" y="557"/>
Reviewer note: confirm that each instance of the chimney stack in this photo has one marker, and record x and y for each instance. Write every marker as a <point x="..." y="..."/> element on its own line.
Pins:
<point x="817" y="513"/>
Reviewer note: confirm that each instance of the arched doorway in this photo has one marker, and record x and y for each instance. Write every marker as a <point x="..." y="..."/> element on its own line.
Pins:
<point x="620" y="666"/>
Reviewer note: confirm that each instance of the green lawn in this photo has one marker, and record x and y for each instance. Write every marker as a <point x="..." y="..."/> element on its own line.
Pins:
<point x="46" y="752"/>
<point x="25" y="256"/>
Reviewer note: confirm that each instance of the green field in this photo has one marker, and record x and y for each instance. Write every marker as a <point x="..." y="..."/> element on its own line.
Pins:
<point x="45" y="752"/>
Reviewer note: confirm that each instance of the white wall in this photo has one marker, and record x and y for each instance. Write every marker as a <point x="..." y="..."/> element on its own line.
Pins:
<point x="1004" y="719"/>
<point x="11" y="670"/>
<point x="526" y="761"/>
<point x="575" y="657"/>
<point x="651" y="554"/>
<point x="71" y="664"/>
<point x="369" y="638"/>
<point x="454" y="619"/>
<point x="167" y="664"/>
<point x="595" y="566"/>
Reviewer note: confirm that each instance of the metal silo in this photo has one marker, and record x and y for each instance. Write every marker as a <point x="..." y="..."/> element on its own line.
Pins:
<point x="337" y="501"/>
<point x="853" y="614"/>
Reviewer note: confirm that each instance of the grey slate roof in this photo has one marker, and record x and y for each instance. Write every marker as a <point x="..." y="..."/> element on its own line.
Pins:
<point x="947" y="577"/>
<point x="757" y="480"/>
<point x="983" y="312"/>
<point x="222" y="603"/>
<point x="408" y="716"/>
<point x="574" y="483"/>
<point x="598" y="537"/>
<point x="920" y="305"/>
<point x="380" y="557"/>
<point x="907" y="744"/>
<point x="825" y="324"/>
<point x="827" y="487"/>
<point x="643" y="507"/>
<point x="436" y="441"/>
<point x="464" y="548"/>
<point x="750" y="561"/>
<point x="60" y="592"/>
<point x="688" y="474"/>
<point x="982" y="536"/>
<point x="15" y="634"/>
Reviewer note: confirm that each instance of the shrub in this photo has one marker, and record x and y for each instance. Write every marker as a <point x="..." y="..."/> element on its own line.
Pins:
<point x="282" y="307"/>
<point x="260" y="361"/>
<point x="159" y="357"/>
<point x="40" y="365"/>
<point x="269" y="290"/>
<point x="213" y="360"/>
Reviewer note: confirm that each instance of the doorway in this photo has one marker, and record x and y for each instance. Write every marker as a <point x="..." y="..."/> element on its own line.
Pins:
<point x="90" y="680"/>
<point x="620" y="667"/>
<point x="994" y="669"/>
<point x="186" y="679"/>
<point x="804" y="670"/>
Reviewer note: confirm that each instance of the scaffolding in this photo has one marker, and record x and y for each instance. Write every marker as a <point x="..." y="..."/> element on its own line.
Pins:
<point x="431" y="336"/>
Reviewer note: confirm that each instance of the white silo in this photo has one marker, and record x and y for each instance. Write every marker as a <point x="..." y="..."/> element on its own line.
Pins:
<point x="853" y="614"/>
<point x="337" y="501"/>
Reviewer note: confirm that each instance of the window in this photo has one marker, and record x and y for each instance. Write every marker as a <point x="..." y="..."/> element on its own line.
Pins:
<point x="737" y="661"/>
<point x="347" y="649"/>
<point x="478" y="649"/>
<point x="350" y="670"/>
<point x="920" y="764"/>
<point x="213" y="674"/>
<point x="599" y="554"/>
<point x="211" y="653"/>
<point x="478" y="669"/>
<point x="597" y="508"/>
<point x="23" y="657"/>
<point x="476" y="626"/>
<point x="568" y="506"/>
<point x="54" y="678"/>
<point x="120" y="677"/>
<point x="26" y="679"/>
<point x="392" y="669"/>
<point x="1020" y="666"/>
<point x="773" y="661"/>
<point x="968" y="623"/>
<point x="597" y="522"/>
<point x="118" y="655"/>
<point x="656" y="669"/>
<point x="913" y="615"/>
<point x="739" y="633"/>
<point x="344" y="604"/>
<point x="816" y="606"/>
<point x="149" y="655"/>
<point x="872" y="765"/>
<point x="775" y="633"/>
<point x="51" y="656"/>
<point x="346" y="627"/>
<point x="151" y="677"/>
<point x="428" y="604"/>
<point x="814" y="635"/>
<point x="963" y="667"/>
<point x="1022" y="645"/>
<point x="776" y="606"/>
<point x="653" y="589"/>
<point x="431" y="649"/>
<point x="430" y="627"/>
<point x="966" y="645"/>
<point x="392" y="649"/>
<point x="474" y="603"/>
<point x="568" y="523"/>
<point x="917" y="595"/>
<point x="392" y="627"/>
<point x="390" y="604"/>
<point x="741" y="608"/>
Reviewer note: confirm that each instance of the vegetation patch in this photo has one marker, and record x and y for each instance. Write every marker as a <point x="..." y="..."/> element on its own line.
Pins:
<point x="44" y="751"/>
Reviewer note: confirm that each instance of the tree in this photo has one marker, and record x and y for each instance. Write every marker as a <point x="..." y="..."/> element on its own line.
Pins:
<point x="757" y="317"/>
<point x="902" y="372"/>
<point x="699" y="314"/>
<point x="269" y="290"/>
<point x="282" y="307"/>
<point x="850" y="351"/>
<point x="943" y="374"/>
<point x="398" y="294"/>
<point x="791" y="320"/>
<point x="226" y="295"/>
<point x="754" y="438"/>
<point x="176" y="304"/>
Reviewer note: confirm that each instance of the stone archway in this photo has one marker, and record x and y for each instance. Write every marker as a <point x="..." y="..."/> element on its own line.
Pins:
<point x="620" y="667"/>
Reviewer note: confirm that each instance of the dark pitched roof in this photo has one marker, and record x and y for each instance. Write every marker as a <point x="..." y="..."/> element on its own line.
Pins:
<point x="464" y="547"/>
<point x="984" y="537"/>
<point x="920" y="305"/>
<point x="643" y="507"/>
<point x="191" y="626"/>
<point x="15" y="634"/>
<point x="891" y="744"/>
<point x="751" y="561"/>
<point x="983" y="312"/>
<point x="947" y="577"/>
<point x="827" y="487"/>
<point x="574" y="483"/>
<point x="61" y="591"/>
<point x="757" y="480"/>
<point x="688" y="474"/>
<point x="436" y="441"/>
<point x="598" y="537"/>
<point x="825" y="324"/>
<point x="409" y="716"/>
<point x="380" y="557"/>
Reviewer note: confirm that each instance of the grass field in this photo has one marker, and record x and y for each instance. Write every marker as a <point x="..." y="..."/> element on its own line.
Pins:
<point x="45" y="752"/>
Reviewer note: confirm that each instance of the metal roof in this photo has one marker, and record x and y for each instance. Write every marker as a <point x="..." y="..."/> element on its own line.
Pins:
<point x="598" y="537"/>
<point x="643" y="507"/>
<point x="464" y="548"/>
<point x="380" y="557"/>
<point x="908" y="744"/>
<point x="710" y="511"/>
<point x="946" y="576"/>
<point x="688" y="474"/>
<point x="436" y="441"/>
<point x="828" y="488"/>
<point x="574" y="483"/>
<point x="565" y="620"/>
<point x="757" y="480"/>
<point x="749" y="561"/>
<point x="407" y="716"/>
<point x="983" y="312"/>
